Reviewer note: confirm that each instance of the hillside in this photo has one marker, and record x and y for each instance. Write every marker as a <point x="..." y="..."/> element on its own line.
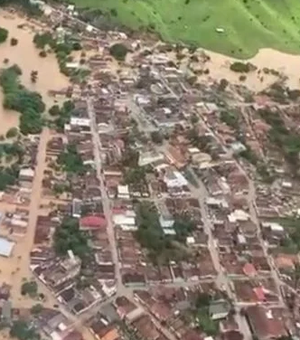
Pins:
<point x="248" y="24"/>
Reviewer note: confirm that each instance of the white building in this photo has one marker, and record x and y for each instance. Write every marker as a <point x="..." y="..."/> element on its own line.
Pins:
<point x="123" y="191"/>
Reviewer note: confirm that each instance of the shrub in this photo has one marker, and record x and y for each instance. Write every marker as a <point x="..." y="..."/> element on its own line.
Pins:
<point x="54" y="110"/>
<point x="240" y="67"/>
<point x="3" y="34"/>
<point x="11" y="133"/>
<point x="118" y="51"/>
<point x="29" y="288"/>
<point x="36" y="309"/>
<point x="43" y="54"/>
<point x="223" y="84"/>
<point x="13" y="41"/>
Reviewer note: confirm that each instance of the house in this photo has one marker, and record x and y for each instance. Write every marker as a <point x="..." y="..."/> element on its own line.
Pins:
<point x="219" y="309"/>
<point x="166" y="220"/>
<point x="249" y="269"/>
<point x="26" y="174"/>
<point x="7" y="310"/>
<point x="149" y="157"/>
<point x="92" y="223"/>
<point x="123" y="191"/>
<point x="266" y="323"/>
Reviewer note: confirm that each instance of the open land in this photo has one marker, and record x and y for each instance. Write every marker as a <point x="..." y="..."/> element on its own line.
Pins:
<point x="248" y="25"/>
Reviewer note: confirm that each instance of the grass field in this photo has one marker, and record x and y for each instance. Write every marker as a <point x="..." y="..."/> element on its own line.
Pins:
<point x="249" y="24"/>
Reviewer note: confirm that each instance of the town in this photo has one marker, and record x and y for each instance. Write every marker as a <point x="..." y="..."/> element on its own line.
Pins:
<point x="155" y="202"/>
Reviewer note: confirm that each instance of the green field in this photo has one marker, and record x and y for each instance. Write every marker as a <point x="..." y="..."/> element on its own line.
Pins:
<point x="249" y="24"/>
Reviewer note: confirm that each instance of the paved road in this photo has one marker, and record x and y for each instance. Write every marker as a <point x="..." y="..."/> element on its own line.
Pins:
<point x="105" y="199"/>
<point x="222" y="279"/>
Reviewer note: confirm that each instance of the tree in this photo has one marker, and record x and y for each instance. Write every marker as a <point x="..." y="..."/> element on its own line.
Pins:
<point x="77" y="46"/>
<point x="18" y="98"/>
<point x="223" y="84"/>
<point x="194" y="119"/>
<point x="54" y="110"/>
<point x="43" y="54"/>
<point x="71" y="161"/>
<point x="157" y="137"/>
<point x="36" y="309"/>
<point x="29" y="288"/>
<point x="13" y="41"/>
<point x="22" y="331"/>
<point x="3" y="34"/>
<point x="203" y="300"/>
<point x="118" y="51"/>
<point x="44" y="39"/>
<point x="12" y="132"/>
<point x="8" y="176"/>
<point x="33" y="76"/>
<point x="241" y="67"/>
<point x="69" y="237"/>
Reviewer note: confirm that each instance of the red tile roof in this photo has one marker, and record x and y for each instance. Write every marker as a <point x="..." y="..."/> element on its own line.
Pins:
<point x="92" y="222"/>
<point x="260" y="294"/>
<point x="249" y="269"/>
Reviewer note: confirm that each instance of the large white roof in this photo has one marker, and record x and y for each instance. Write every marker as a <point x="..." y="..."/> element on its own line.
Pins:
<point x="6" y="247"/>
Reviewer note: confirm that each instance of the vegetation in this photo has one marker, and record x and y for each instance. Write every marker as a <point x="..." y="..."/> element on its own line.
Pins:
<point x="29" y="8"/>
<point x="18" y="98"/>
<point x="29" y="288"/>
<point x="33" y="76"/>
<point x="71" y="161"/>
<point x="161" y="248"/>
<point x="290" y="244"/>
<point x="247" y="24"/>
<point x="288" y="141"/>
<point x="69" y="237"/>
<point x="8" y="176"/>
<point x="157" y="137"/>
<point x="241" y="67"/>
<point x="135" y="175"/>
<point x="60" y="188"/>
<point x="230" y="118"/>
<point x="63" y="114"/>
<point x="223" y="84"/>
<point x="43" y="54"/>
<point x="36" y="309"/>
<point x="205" y="323"/>
<point x="118" y="51"/>
<point x="183" y="227"/>
<point x="13" y="41"/>
<point x="42" y="40"/>
<point x="3" y="35"/>
<point x="62" y="51"/>
<point x="12" y="132"/>
<point x="22" y="331"/>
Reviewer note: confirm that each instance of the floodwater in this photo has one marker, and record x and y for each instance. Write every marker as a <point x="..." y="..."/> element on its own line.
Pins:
<point x="15" y="270"/>
<point x="284" y="63"/>
<point x="27" y="57"/>
<point x="219" y="64"/>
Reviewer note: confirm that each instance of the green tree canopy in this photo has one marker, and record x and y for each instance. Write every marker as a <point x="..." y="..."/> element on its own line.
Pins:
<point x="18" y="98"/>
<point x="22" y="331"/>
<point x="3" y="34"/>
<point x="118" y="51"/>
<point x="36" y="309"/>
<point x="29" y="288"/>
<point x="69" y="237"/>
